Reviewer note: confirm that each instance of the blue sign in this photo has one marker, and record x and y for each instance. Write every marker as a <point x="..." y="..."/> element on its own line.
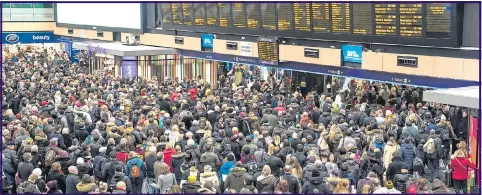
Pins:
<point x="207" y="41"/>
<point x="28" y="37"/>
<point x="422" y="81"/>
<point x="129" y="67"/>
<point x="73" y="55"/>
<point x="352" y="53"/>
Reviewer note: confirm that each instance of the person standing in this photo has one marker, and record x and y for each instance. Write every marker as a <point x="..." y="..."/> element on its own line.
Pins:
<point x="460" y="166"/>
<point x="151" y="176"/>
<point x="135" y="170"/>
<point x="71" y="181"/>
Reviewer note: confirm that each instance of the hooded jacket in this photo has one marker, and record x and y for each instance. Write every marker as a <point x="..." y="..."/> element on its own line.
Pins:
<point x="176" y="162"/>
<point x="235" y="179"/>
<point x="191" y="188"/>
<point x="266" y="184"/>
<point x="207" y="177"/>
<point x="407" y="154"/>
<point x="225" y="169"/>
<point x="84" y="188"/>
<point x="139" y="163"/>
<point x="388" y="151"/>
<point x="395" y="167"/>
<point x="315" y="185"/>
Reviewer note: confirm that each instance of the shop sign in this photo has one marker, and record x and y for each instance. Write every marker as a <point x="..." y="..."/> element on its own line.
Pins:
<point x="246" y="49"/>
<point x="28" y="37"/>
<point x="96" y="50"/>
<point x="352" y="53"/>
<point x="207" y="40"/>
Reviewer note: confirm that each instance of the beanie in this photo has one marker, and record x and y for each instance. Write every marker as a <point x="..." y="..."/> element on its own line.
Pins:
<point x="191" y="179"/>
<point x="389" y="184"/>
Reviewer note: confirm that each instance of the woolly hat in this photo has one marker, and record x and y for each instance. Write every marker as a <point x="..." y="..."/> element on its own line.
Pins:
<point x="389" y="184"/>
<point x="191" y="179"/>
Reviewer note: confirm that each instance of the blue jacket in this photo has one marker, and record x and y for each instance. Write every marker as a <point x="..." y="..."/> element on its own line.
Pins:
<point x="407" y="154"/>
<point x="139" y="163"/>
<point x="225" y="169"/>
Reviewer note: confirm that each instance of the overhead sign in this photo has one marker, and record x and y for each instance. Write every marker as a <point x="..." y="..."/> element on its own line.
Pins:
<point x="28" y="37"/>
<point x="207" y="40"/>
<point x="96" y="50"/>
<point x="246" y="49"/>
<point x="352" y="53"/>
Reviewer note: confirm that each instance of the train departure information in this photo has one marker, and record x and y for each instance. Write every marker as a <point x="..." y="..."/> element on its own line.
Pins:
<point x="199" y="14"/>
<point x="212" y="14"/>
<point x="268" y="50"/>
<point x="187" y="11"/>
<point x="302" y="17"/>
<point x="239" y="15"/>
<point x="438" y="20"/>
<point x="362" y="18"/>
<point x="321" y="17"/>
<point x="176" y="13"/>
<point x="224" y="10"/>
<point x="253" y="15"/>
<point x="340" y="17"/>
<point x="285" y="16"/>
<point x="410" y="19"/>
<point x="268" y="15"/>
<point x="386" y="19"/>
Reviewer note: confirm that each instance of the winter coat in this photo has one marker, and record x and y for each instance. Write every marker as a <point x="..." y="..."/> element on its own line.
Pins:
<point x="191" y="188"/>
<point x="207" y="177"/>
<point x="85" y="188"/>
<point x="395" y="167"/>
<point x="276" y="164"/>
<point x="71" y="184"/>
<point x="165" y="182"/>
<point x="407" y="154"/>
<point x="400" y="181"/>
<point x="24" y="170"/>
<point x="150" y="160"/>
<point x="225" y="169"/>
<point x="459" y="166"/>
<point x="315" y="183"/>
<point x="168" y="156"/>
<point x="344" y="142"/>
<point x="266" y="184"/>
<point x="176" y="162"/>
<point x="388" y="151"/>
<point x="84" y="169"/>
<point x="140" y="164"/>
<point x="235" y="179"/>
<point x="439" y="152"/>
<point x="249" y="190"/>
<point x="59" y="176"/>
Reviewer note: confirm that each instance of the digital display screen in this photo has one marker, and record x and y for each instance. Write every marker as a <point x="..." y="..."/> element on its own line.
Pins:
<point x="321" y="17"/>
<point x="302" y="17"/>
<point x="410" y="19"/>
<point x="285" y="16"/>
<point x="224" y="14"/>
<point x="340" y="17"/>
<point x="363" y="18"/>
<point x="239" y="15"/>
<point x="187" y="12"/>
<point x="212" y="14"/>
<point x="199" y="14"/>
<point x="268" y="50"/>
<point x="268" y="15"/>
<point x="438" y="20"/>
<point x="253" y="15"/>
<point x="386" y="19"/>
<point x="176" y="13"/>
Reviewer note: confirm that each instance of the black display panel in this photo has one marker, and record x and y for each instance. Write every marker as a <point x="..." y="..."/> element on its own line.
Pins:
<point x="302" y="16"/>
<point x="427" y="24"/>
<point x="285" y="16"/>
<point x="268" y="15"/>
<point x="187" y="14"/>
<point x="239" y="15"/>
<point x="253" y="15"/>
<point x="268" y="50"/>
<point x="225" y="18"/>
<point x="199" y="14"/>
<point x="410" y="19"/>
<point x="212" y="14"/>
<point x="321" y="17"/>
<point x="362" y="18"/>
<point x="340" y="17"/>
<point x="176" y="13"/>
<point x="386" y="19"/>
<point x="439" y="20"/>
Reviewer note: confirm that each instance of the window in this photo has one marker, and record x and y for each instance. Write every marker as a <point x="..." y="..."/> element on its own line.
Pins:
<point x="407" y="61"/>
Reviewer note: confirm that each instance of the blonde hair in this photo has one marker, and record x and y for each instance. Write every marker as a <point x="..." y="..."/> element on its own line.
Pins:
<point x="132" y="154"/>
<point x="366" y="189"/>
<point x="56" y="166"/>
<point x="342" y="186"/>
<point x="208" y="133"/>
<point x="169" y="146"/>
<point x="277" y="140"/>
<point x="271" y="149"/>
<point x="296" y="169"/>
<point x="164" y="169"/>
<point x="266" y="170"/>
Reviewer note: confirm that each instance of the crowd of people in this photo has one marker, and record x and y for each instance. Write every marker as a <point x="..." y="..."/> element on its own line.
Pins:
<point x="65" y="131"/>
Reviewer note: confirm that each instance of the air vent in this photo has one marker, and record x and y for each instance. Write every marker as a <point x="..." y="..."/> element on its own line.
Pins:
<point x="407" y="61"/>
<point x="137" y="37"/>
<point x="232" y="45"/>
<point x="312" y="53"/>
<point x="179" y="40"/>
<point x="100" y="34"/>
<point x="70" y="31"/>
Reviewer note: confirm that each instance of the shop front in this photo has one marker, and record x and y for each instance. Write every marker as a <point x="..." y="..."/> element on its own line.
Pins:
<point x="30" y="39"/>
<point x="119" y="60"/>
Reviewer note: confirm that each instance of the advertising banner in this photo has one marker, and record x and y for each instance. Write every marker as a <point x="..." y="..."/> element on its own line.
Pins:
<point x="28" y="37"/>
<point x="129" y="67"/>
<point x="246" y="49"/>
<point x="352" y="53"/>
<point x="207" y="40"/>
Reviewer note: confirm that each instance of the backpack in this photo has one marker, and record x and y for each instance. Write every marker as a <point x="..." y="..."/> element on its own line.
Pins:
<point x="429" y="146"/>
<point x="207" y="160"/>
<point x="445" y="135"/>
<point x="252" y="165"/>
<point x="50" y="156"/>
<point x="135" y="171"/>
<point x="26" y="188"/>
<point x="115" y="179"/>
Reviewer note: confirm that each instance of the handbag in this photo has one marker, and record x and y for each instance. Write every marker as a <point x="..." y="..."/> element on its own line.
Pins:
<point x="174" y="188"/>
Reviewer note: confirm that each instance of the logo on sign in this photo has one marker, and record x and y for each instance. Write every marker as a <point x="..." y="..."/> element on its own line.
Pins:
<point x="352" y="54"/>
<point x="208" y="41"/>
<point x="94" y="50"/>
<point x="12" y="38"/>
<point x="41" y="37"/>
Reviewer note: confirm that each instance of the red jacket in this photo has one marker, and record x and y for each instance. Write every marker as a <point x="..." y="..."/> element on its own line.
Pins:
<point x="192" y="93"/>
<point x="168" y="157"/>
<point x="459" y="168"/>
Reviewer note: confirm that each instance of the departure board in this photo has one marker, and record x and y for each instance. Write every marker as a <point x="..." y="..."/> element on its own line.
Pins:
<point x="253" y="15"/>
<point x="225" y="17"/>
<point x="268" y="50"/>
<point x="321" y="17"/>
<point x="410" y="19"/>
<point x="363" y="18"/>
<point x="212" y="14"/>
<point x="285" y="16"/>
<point x="176" y="13"/>
<point x="166" y="13"/>
<point x="268" y="16"/>
<point x="239" y="15"/>
<point x="340" y="17"/>
<point x="386" y="19"/>
<point x="438" y="20"/>
<point x="187" y="16"/>
<point x="199" y="14"/>
<point x="302" y="16"/>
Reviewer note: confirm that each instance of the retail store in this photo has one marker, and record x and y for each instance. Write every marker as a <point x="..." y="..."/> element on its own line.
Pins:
<point x="30" y="39"/>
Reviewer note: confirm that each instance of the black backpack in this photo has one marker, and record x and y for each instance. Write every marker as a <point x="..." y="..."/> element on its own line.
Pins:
<point x="445" y="134"/>
<point x="115" y="179"/>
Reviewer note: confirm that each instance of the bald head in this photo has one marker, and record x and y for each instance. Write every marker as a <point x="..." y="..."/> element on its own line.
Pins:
<point x="73" y="170"/>
<point x="287" y="169"/>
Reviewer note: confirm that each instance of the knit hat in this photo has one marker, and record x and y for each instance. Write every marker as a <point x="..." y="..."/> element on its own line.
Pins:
<point x="44" y="103"/>
<point x="80" y="160"/>
<point x="191" y="179"/>
<point x="389" y="184"/>
<point x="207" y="168"/>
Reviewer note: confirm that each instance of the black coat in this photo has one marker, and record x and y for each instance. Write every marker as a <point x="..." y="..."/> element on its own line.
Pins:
<point x="71" y="184"/>
<point x="60" y="177"/>
<point x="176" y="162"/>
<point x="293" y="183"/>
<point x="150" y="160"/>
<point x="315" y="183"/>
<point x="276" y="164"/>
<point x="24" y="170"/>
<point x="395" y="167"/>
